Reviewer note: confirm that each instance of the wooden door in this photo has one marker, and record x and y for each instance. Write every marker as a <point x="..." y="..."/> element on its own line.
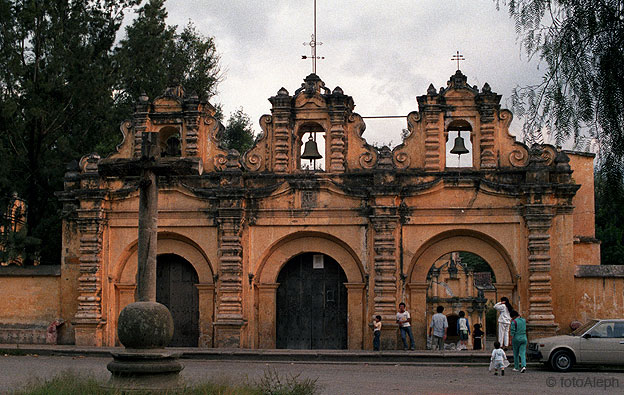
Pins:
<point x="175" y="288"/>
<point x="311" y="304"/>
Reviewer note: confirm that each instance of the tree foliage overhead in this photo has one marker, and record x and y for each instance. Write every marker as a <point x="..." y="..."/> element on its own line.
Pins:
<point x="239" y="134"/>
<point x="65" y="87"/>
<point x="581" y="96"/>
<point x="55" y="80"/>
<point x="581" y="43"/>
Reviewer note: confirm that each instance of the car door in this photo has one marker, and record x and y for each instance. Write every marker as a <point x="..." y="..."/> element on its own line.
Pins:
<point x="600" y="345"/>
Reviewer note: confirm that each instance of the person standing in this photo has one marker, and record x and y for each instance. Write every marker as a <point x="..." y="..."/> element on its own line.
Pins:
<point x="504" y="320"/>
<point x="377" y="333"/>
<point x="518" y="341"/>
<point x="498" y="360"/>
<point x="463" y="328"/>
<point x="404" y="320"/>
<point x="439" y="328"/>
<point x="477" y="334"/>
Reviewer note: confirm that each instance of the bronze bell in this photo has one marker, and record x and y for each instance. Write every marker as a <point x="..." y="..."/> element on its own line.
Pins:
<point x="459" y="148"/>
<point x="311" y="151"/>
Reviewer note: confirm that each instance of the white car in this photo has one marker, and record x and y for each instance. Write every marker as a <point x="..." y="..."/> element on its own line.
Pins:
<point x="598" y="342"/>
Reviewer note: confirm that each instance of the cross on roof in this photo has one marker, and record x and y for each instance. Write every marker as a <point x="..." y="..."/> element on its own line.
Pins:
<point x="457" y="57"/>
<point x="313" y="44"/>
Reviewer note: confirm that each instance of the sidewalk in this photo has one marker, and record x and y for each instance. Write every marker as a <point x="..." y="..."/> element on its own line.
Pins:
<point x="316" y="356"/>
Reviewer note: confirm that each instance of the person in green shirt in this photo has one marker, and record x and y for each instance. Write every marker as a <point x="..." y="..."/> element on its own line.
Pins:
<point x="518" y="341"/>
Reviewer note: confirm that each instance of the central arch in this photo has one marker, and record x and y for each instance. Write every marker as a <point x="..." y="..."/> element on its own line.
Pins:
<point x="280" y="254"/>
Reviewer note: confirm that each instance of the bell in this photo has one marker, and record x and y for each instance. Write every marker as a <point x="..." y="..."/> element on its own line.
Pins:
<point x="310" y="151"/>
<point x="459" y="148"/>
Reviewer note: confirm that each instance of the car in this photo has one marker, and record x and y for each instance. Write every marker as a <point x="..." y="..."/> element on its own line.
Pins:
<point x="597" y="342"/>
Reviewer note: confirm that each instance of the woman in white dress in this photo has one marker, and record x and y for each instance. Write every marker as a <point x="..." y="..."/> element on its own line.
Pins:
<point x="504" y="320"/>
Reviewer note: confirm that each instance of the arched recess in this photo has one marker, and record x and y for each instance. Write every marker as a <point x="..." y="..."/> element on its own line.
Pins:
<point x="123" y="276"/>
<point x="284" y="250"/>
<point x="446" y="242"/>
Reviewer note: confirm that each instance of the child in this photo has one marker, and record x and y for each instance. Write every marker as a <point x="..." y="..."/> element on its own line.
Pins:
<point x="477" y="333"/>
<point x="463" y="328"/>
<point x="376" y="332"/>
<point x="498" y="360"/>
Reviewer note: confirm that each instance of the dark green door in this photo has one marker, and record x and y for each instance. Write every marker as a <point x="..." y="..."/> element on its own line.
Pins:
<point x="312" y="304"/>
<point x="175" y="288"/>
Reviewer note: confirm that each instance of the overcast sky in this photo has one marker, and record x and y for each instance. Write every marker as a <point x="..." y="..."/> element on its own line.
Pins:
<point x="382" y="53"/>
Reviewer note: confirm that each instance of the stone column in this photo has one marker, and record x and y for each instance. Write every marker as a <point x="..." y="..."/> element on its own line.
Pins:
<point x="206" y="310"/>
<point x="355" y="324"/>
<point x="148" y="221"/>
<point x="267" y="319"/>
<point x="541" y="320"/>
<point x="385" y="272"/>
<point x="229" y="319"/>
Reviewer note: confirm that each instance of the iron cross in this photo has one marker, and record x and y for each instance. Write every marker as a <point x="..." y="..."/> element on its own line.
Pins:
<point x="313" y="44"/>
<point x="457" y="57"/>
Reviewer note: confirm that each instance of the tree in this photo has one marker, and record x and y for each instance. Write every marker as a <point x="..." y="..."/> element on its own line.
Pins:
<point x="65" y="88"/>
<point x="239" y="134"/>
<point x="55" y="90"/>
<point x="153" y="56"/>
<point x="581" y="96"/>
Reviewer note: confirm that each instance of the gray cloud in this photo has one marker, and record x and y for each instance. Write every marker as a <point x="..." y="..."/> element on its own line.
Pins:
<point x="383" y="53"/>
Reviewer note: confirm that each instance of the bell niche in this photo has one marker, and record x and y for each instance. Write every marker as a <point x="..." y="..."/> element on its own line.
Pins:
<point x="459" y="144"/>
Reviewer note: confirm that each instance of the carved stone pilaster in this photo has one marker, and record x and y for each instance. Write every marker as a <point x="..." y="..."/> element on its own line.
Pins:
<point x="229" y="317"/>
<point x="282" y="143"/>
<point x="385" y="262"/>
<point x="488" y="159"/>
<point x="432" y="142"/>
<point x="191" y="119"/>
<point x="541" y="320"/>
<point x="337" y="149"/>
<point x="88" y="319"/>
<point x="140" y="118"/>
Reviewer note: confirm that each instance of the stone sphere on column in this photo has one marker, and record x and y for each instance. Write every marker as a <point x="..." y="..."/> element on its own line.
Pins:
<point x="145" y="325"/>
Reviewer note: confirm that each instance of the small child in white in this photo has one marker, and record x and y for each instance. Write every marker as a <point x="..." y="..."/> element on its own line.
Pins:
<point x="498" y="360"/>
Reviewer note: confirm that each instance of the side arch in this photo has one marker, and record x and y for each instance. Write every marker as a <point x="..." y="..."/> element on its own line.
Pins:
<point x="274" y="259"/>
<point x="463" y="240"/>
<point x="168" y="243"/>
<point x="450" y="241"/>
<point x="123" y="279"/>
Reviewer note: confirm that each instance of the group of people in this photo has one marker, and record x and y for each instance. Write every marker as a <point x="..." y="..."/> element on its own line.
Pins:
<point x="509" y="324"/>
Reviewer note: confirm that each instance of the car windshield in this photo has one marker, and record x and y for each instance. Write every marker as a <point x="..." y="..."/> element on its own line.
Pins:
<point x="583" y="328"/>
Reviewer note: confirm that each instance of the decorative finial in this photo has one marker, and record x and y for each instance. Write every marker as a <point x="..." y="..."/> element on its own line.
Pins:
<point x="313" y="44"/>
<point x="457" y="57"/>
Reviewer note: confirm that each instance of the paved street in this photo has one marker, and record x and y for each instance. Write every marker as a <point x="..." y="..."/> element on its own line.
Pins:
<point x="340" y="378"/>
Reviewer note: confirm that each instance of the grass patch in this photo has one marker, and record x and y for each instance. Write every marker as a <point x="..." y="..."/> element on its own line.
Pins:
<point x="271" y="383"/>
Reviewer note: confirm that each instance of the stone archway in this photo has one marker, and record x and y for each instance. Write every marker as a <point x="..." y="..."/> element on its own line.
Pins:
<point x="123" y="278"/>
<point x="445" y="243"/>
<point x="279" y="254"/>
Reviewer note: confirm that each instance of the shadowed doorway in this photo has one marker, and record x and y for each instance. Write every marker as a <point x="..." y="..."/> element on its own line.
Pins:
<point x="175" y="288"/>
<point x="312" y="304"/>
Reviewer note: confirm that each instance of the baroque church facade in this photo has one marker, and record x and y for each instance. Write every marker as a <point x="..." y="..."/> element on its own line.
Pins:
<point x="259" y="251"/>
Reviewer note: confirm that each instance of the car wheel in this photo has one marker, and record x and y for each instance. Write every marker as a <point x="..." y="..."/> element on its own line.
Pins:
<point x="562" y="360"/>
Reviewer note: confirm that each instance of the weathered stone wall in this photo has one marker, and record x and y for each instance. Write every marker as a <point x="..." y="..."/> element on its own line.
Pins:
<point x="30" y="301"/>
